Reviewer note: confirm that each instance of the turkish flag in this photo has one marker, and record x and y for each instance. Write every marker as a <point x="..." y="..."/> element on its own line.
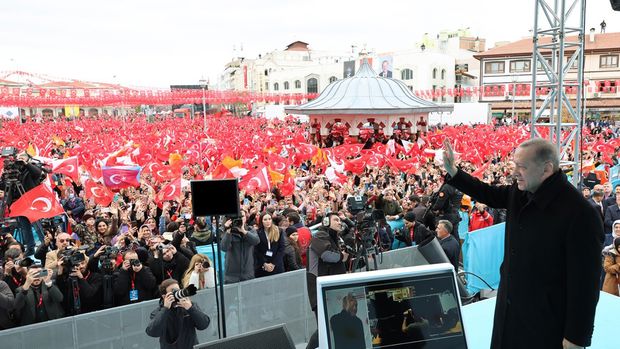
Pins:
<point x="118" y="177"/>
<point x="102" y="195"/>
<point x="171" y="191"/>
<point x="68" y="166"/>
<point x="37" y="203"/>
<point x="257" y="180"/>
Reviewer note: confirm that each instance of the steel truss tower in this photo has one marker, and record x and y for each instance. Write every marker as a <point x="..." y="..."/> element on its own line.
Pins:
<point x="554" y="22"/>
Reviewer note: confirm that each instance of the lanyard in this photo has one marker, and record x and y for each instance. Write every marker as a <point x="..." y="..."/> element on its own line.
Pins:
<point x="169" y="272"/>
<point x="40" y="303"/>
<point x="87" y="275"/>
<point x="133" y="281"/>
<point x="16" y="281"/>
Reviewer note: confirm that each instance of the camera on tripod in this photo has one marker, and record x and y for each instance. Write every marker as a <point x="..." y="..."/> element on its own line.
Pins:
<point x="72" y="257"/>
<point x="108" y="259"/>
<point x="52" y="224"/>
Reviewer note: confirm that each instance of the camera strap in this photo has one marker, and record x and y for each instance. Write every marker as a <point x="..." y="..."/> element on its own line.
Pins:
<point x="16" y="281"/>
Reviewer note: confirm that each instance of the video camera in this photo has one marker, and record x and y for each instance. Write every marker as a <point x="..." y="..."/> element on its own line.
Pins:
<point x="73" y="257"/>
<point x="108" y="259"/>
<point x="52" y="224"/>
<point x="356" y="204"/>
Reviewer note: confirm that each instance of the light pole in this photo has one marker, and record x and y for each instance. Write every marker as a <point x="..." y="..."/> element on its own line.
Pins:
<point x="203" y="84"/>
<point x="514" y="93"/>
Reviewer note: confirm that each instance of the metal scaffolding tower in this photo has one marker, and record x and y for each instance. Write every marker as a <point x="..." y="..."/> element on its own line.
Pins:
<point x="550" y="48"/>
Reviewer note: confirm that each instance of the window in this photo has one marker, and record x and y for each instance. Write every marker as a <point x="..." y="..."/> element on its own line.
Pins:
<point x="297" y="84"/>
<point x="435" y="73"/>
<point x="494" y="67"/>
<point x="540" y="64"/>
<point x="434" y="91"/>
<point x="266" y="72"/>
<point x="266" y="86"/>
<point x="521" y="66"/>
<point x="443" y="74"/>
<point x="286" y="85"/>
<point x="609" y="61"/>
<point x="332" y="79"/>
<point x="406" y="74"/>
<point x="276" y="86"/>
<point x="312" y="86"/>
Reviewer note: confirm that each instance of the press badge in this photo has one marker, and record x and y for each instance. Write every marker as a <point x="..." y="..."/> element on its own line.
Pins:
<point x="133" y="295"/>
<point x="269" y="254"/>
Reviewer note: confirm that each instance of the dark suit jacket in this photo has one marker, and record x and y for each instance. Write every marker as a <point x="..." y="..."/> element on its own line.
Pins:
<point x="598" y="208"/>
<point x="276" y="251"/>
<point x="611" y="215"/>
<point x="347" y="330"/>
<point x="549" y="284"/>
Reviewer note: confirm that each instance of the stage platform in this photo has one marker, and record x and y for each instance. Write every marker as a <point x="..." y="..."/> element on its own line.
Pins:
<point x="478" y="321"/>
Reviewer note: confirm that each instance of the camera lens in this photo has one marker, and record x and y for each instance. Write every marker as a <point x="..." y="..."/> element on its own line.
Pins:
<point x="206" y="264"/>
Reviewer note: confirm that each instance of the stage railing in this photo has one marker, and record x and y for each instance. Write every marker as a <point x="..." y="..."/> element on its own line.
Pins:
<point x="250" y="305"/>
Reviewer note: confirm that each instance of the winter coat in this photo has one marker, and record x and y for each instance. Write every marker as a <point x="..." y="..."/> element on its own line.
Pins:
<point x="187" y="322"/>
<point x="611" y="265"/>
<point x="549" y="278"/>
<point x="239" y="250"/>
<point x="292" y="259"/>
<point x="25" y="307"/>
<point x="144" y="282"/>
<point x="6" y="305"/>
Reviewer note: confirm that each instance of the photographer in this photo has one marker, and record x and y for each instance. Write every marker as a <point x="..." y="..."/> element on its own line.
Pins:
<point x="38" y="300"/>
<point x="29" y="175"/>
<point x="63" y="241"/>
<point x="168" y="263"/>
<point x="81" y="288"/>
<point x="15" y="269"/>
<point x="324" y="258"/>
<point x="200" y="273"/>
<point x="238" y="242"/>
<point x="175" y="321"/>
<point x="135" y="282"/>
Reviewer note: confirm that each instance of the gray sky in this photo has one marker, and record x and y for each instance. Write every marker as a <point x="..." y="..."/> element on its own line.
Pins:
<point x="158" y="43"/>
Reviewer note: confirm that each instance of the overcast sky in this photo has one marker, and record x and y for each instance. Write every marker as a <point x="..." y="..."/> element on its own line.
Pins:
<point x="158" y="43"/>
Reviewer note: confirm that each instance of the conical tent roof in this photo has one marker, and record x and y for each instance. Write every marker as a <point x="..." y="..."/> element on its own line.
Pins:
<point x="366" y="93"/>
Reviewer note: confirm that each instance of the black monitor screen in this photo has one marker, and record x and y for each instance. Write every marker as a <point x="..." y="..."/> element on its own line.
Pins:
<point x="412" y="312"/>
<point x="215" y="197"/>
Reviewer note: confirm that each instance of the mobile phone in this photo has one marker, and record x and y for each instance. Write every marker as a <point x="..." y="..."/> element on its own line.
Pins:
<point x="246" y="201"/>
<point x="43" y="273"/>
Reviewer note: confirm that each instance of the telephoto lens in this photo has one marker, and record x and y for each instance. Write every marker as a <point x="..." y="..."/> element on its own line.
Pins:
<point x="184" y="292"/>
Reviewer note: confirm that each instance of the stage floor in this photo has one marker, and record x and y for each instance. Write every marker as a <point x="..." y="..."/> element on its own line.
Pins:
<point x="478" y="323"/>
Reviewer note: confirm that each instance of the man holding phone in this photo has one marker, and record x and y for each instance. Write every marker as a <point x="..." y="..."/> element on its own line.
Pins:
<point x="38" y="300"/>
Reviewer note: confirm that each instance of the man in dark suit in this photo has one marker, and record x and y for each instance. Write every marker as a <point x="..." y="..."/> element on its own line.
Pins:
<point x="596" y="200"/>
<point x="611" y="199"/>
<point x="612" y="214"/>
<point x="347" y="327"/>
<point x="385" y="72"/>
<point x="448" y="242"/>
<point x="553" y="240"/>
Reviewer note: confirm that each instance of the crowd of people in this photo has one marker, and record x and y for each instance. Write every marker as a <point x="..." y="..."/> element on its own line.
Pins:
<point x="100" y="256"/>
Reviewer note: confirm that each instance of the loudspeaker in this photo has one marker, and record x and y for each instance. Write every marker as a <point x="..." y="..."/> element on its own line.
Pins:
<point x="219" y="197"/>
<point x="275" y="337"/>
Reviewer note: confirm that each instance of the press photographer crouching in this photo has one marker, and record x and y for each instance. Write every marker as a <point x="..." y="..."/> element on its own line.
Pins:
<point x="81" y="287"/>
<point x="176" y="319"/>
<point x="135" y="282"/>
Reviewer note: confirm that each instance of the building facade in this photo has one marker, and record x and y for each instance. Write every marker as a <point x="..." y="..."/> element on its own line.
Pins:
<point x="508" y="68"/>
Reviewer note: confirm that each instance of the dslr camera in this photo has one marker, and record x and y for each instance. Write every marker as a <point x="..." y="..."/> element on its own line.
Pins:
<point x="184" y="292"/>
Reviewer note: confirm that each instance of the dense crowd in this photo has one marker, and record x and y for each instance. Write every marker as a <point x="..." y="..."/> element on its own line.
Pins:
<point x="104" y="255"/>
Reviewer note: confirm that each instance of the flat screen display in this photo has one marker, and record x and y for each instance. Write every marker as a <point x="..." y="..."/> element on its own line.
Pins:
<point x="409" y="312"/>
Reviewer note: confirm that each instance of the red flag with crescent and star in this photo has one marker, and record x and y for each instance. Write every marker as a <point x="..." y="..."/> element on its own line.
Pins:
<point x="102" y="195"/>
<point x="37" y="203"/>
<point x="171" y="191"/>
<point x="68" y="166"/>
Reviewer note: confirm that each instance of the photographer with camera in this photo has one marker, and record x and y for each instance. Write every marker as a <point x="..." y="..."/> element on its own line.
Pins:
<point x="135" y="282"/>
<point x="176" y="319"/>
<point x="6" y="306"/>
<point x="324" y="258"/>
<point x="52" y="258"/>
<point x="38" y="300"/>
<point x="200" y="273"/>
<point x="168" y="263"/>
<point x="15" y="268"/>
<point x="20" y="169"/>
<point x="81" y="287"/>
<point x="238" y="241"/>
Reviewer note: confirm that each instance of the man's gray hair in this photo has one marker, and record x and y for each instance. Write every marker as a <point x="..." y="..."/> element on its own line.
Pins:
<point x="446" y="224"/>
<point x="544" y="151"/>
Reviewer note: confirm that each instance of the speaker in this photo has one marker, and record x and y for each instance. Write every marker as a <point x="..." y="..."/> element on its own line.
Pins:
<point x="275" y="337"/>
<point x="219" y="197"/>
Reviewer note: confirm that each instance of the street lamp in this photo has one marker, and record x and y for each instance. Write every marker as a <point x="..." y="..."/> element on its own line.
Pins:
<point x="203" y="83"/>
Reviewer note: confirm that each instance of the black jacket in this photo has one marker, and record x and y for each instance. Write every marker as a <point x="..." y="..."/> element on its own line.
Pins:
<point x="164" y="321"/>
<point x="26" y="304"/>
<point x="611" y="215"/>
<point x="452" y="248"/>
<point x="174" y="269"/>
<point x="549" y="284"/>
<point x="89" y="288"/>
<point x="276" y="252"/>
<point x="144" y="282"/>
<point x="6" y="305"/>
<point x="292" y="259"/>
<point x="348" y="331"/>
